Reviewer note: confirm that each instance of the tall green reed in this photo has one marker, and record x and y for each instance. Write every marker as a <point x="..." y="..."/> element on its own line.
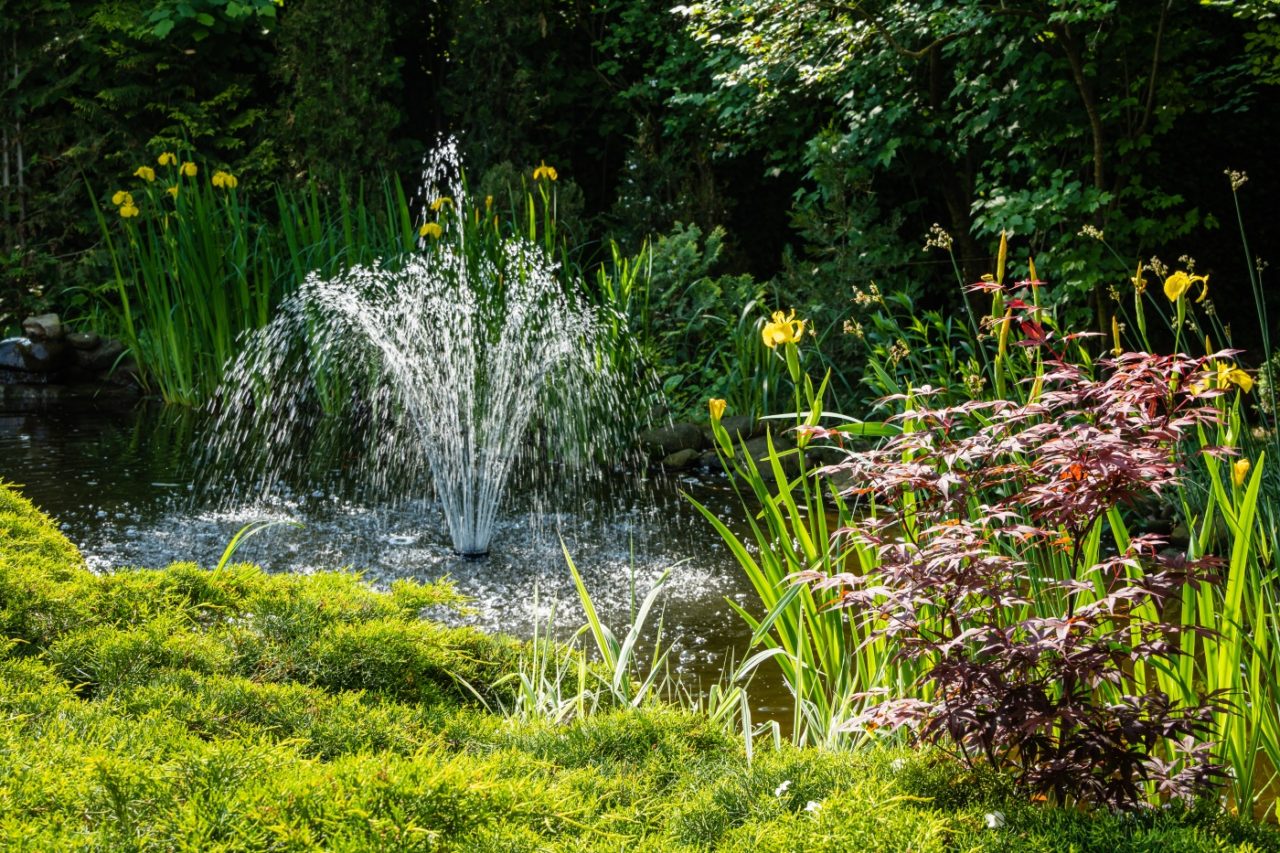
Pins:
<point x="1232" y="624"/>
<point x="831" y="665"/>
<point x="556" y="680"/>
<point x="1227" y="508"/>
<point x="194" y="263"/>
<point x="189" y="273"/>
<point x="327" y="233"/>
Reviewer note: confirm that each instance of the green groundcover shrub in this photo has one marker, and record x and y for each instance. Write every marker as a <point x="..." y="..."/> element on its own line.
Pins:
<point x="187" y="709"/>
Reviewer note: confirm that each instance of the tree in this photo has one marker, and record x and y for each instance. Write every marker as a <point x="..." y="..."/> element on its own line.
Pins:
<point x="1035" y="117"/>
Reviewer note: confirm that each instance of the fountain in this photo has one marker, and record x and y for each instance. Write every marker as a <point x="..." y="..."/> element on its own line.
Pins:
<point x="460" y="362"/>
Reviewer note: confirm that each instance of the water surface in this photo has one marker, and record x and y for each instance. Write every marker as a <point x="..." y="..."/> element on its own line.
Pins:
<point x="122" y="486"/>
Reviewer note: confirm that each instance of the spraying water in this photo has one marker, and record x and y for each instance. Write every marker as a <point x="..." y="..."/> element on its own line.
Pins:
<point x="458" y="362"/>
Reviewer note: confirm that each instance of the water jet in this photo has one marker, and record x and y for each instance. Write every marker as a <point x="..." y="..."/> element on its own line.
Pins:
<point x="451" y="355"/>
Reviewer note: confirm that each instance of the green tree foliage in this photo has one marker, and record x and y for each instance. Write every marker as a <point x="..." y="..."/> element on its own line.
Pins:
<point x="340" y="108"/>
<point x="1262" y="44"/>
<point x="1035" y="117"/>
<point x="825" y="137"/>
<point x="181" y="74"/>
<point x="669" y="171"/>
<point x="31" y="81"/>
<point x="588" y="85"/>
<point x="516" y="71"/>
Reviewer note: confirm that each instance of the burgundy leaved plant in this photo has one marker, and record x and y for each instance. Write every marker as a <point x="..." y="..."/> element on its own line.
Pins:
<point x="997" y="573"/>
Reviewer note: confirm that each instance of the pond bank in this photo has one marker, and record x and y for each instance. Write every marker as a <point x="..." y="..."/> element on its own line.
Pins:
<point x="236" y="710"/>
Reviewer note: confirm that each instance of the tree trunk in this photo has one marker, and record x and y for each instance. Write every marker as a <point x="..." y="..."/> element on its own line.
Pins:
<point x="1075" y="59"/>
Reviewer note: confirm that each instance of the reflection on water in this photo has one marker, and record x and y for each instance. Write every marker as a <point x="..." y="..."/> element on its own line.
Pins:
<point x="121" y="486"/>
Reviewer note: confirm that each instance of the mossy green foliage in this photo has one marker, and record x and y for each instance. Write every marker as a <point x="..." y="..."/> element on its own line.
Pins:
<point x="186" y="709"/>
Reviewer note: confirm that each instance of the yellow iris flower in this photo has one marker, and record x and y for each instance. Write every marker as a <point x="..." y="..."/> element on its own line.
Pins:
<point x="173" y="191"/>
<point x="128" y="210"/>
<point x="431" y="229"/>
<point x="441" y="202"/>
<point x="167" y="159"/>
<point x="1224" y="376"/>
<point x="1228" y="376"/>
<point x="716" y="405"/>
<point x="188" y="169"/>
<point x="1238" y="472"/>
<point x="225" y="180"/>
<point x="1180" y="282"/>
<point x="147" y="173"/>
<point x="783" y="329"/>
<point x="121" y="197"/>
<point x="545" y="171"/>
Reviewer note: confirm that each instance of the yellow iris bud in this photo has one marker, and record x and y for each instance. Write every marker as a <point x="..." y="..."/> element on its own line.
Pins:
<point x="1238" y="472"/>
<point x="1002" y="257"/>
<point x="173" y="191"/>
<point x="431" y="229"/>
<point x="1139" y="283"/>
<point x="782" y="329"/>
<point x="716" y="405"/>
<point x="1116" y="348"/>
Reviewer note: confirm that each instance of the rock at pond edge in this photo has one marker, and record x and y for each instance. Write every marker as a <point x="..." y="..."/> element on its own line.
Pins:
<point x="664" y="441"/>
<point x="43" y="327"/>
<point x="681" y="459"/>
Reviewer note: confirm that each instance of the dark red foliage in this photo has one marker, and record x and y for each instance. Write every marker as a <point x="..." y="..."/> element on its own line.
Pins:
<point x="1004" y="498"/>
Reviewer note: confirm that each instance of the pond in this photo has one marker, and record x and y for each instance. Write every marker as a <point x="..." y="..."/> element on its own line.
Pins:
<point x="121" y="484"/>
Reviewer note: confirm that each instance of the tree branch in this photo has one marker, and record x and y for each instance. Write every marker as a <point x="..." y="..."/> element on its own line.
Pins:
<point x="1150" y="106"/>
<point x="1088" y="98"/>
<point x="907" y="53"/>
<point x="914" y="55"/>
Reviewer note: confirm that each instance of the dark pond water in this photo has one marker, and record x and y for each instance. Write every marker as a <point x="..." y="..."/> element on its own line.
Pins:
<point x="122" y="486"/>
